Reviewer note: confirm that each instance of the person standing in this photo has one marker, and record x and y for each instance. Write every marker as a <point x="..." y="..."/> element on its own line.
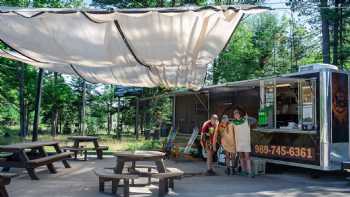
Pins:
<point x="243" y="146"/>
<point x="225" y="132"/>
<point x="207" y="141"/>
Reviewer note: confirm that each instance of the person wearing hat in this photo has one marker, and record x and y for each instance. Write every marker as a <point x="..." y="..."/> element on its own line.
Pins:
<point x="207" y="141"/>
<point x="226" y="134"/>
<point x="243" y="146"/>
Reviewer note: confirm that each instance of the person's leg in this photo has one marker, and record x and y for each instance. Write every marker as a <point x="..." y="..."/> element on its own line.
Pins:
<point x="210" y="159"/>
<point x="232" y="161"/>
<point x="242" y="162"/>
<point x="228" y="162"/>
<point x="248" y="163"/>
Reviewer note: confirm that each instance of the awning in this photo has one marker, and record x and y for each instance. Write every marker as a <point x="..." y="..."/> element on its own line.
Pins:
<point x="130" y="47"/>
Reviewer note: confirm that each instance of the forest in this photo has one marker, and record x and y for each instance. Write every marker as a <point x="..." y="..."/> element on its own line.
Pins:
<point x="293" y="33"/>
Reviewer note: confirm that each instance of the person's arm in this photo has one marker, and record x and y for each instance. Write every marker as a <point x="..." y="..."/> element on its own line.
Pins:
<point x="215" y="137"/>
<point x="232" y="129"/>
<point x="203" y="133"/>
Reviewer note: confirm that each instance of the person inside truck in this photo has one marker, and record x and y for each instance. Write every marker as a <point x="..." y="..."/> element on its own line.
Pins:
<point x="242" y="135"/>
<point x="207" y="141"/>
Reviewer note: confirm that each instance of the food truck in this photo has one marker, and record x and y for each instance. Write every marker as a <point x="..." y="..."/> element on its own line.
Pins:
<point x="302" y="118"/>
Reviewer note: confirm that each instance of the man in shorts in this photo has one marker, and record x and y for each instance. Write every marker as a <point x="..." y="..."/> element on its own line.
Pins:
<point x="207" y="141"/>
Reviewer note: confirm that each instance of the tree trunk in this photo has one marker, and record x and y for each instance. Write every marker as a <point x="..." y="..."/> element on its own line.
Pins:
<point x="60" y="122"/>
<point x="36" y="120"/>
<point x="341" y="29"/>
<point x="54" y="111"/>
<point x="21" y="100"/>
<point x="82" y="109"/>
<point x="173" y="2"/>
<point x="160" y="3"/>
<point x="54" y="120"/>
<point x="110" y="114"/>
<point x="137" y="119"/>
<point x="325" y="32"/>
<point x="27" y="119"/>
<point x="336" y="34"/>
<point x="142" y="120"/>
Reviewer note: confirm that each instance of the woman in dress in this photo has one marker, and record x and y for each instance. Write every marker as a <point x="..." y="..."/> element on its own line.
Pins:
<point x="226" y="134"/>
<point x="243" y="146"/>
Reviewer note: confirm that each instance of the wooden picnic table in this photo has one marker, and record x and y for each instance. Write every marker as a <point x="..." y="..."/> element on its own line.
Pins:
<point x="134" y="156"/>
<point x="30" y="155"/>
<point x="5" y="179"/>
<point x="99" y="149"/>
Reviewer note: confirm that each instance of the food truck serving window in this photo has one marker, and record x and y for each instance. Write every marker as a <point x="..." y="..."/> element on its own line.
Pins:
<point x="290" y="104"/>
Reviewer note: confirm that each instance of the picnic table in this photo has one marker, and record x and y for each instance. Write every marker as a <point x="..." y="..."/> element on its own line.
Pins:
<point x="135" y="156"/>
<point x="30" y="155"/>
<point x="92" y="139"/>
<point x="166" y="176"/>
<point x="5" y="179"/>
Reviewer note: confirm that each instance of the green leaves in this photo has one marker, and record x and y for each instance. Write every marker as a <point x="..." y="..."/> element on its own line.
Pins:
<point x="263" y="45"/>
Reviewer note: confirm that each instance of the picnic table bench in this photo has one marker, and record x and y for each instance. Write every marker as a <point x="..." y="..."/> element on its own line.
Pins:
<point x="5" y="179"/>
<point x="108" y="175"/>
<point x="166" y="180"/>
<point x="78" y="139"/>
<point x="36" y="157"/>
<point x="76" y="151"/>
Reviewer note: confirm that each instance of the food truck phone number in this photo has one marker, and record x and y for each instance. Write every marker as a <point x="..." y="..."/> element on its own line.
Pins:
<point x="285" y="151"/>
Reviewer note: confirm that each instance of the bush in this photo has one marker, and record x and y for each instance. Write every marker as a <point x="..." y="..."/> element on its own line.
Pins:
<point x="144" y="145"/>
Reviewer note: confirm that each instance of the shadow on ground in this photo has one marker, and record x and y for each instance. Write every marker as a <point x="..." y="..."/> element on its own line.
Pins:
<point x="80" y="181"/>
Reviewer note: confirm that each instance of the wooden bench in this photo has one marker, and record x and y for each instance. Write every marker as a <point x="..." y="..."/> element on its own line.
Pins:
<point x="133" y="169"/>
<point x="99" y="151"/>
<point x="5" y="179"/>
<point x="76" y="150"/>
<point x="166" y="180"/>
<point x="48" y="160"/>
<point x="105" y="175"/>
<point x="3" y="158"/>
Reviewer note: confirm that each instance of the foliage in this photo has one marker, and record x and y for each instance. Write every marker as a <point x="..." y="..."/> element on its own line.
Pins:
<point x="264" y="44"/>
<point x="144" y="145"/>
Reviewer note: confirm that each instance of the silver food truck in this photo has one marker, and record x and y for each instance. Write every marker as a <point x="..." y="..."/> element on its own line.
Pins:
<point x="302" y="118"/>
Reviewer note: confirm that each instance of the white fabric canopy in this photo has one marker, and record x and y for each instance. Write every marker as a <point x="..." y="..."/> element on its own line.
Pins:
<point x="143" y="47"/>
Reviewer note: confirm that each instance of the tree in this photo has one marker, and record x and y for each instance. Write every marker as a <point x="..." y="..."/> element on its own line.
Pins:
<point x="37" y="105"/>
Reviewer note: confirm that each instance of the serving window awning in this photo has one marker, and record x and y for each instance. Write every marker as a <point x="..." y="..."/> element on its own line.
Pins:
<point x="130" y="47"/>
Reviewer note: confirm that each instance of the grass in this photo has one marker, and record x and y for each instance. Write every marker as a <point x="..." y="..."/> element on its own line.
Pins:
<point x="127" y="143"/>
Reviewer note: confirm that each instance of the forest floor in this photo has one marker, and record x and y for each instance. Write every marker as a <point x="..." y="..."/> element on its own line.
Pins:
<point x="80" y="181"/>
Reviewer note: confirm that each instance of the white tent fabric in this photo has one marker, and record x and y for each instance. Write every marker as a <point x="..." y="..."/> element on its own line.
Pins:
<point x="144" y="47"/>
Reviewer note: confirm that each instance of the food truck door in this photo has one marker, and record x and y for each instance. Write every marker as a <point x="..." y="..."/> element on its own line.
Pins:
<point x="339" y="150"/>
